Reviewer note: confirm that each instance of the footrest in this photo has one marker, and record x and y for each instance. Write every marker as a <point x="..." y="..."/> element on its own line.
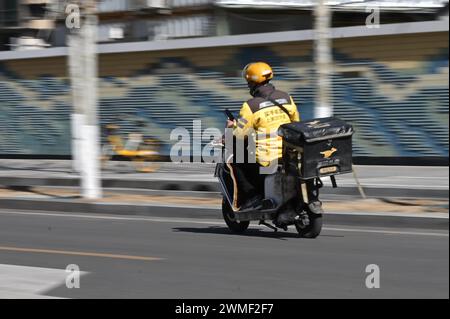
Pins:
<point x="255" y="215"/>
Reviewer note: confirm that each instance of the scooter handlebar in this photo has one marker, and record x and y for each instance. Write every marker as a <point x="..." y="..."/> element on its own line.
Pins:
<point x="229" y="114"/>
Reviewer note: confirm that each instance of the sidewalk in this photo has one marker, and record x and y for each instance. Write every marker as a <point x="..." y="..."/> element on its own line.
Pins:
<point x="212" y="200"/>
<point x="377" y="181"/>
<point x="414" y="197"/>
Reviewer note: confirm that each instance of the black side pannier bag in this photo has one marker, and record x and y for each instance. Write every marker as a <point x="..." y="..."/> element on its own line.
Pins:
<point x="325" y="145"/>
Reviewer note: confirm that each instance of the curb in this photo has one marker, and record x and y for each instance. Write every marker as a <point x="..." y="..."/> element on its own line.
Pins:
<point x="213" y="186"/>
<point x="155" y="210"/>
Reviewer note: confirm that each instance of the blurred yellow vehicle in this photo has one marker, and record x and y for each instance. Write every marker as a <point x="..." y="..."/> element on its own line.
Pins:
<point x="142" y="151"/>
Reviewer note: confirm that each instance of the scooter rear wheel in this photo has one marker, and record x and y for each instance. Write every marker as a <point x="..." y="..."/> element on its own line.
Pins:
<point x="229" y="216"/>
<point x="313" y="229"/>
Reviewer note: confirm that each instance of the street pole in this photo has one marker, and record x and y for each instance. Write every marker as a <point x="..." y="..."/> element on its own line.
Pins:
<point x="324" y="67"/>
<point x="323" y="61"/>
<point x="77" y="119"/>
<point x="85" y="131"/>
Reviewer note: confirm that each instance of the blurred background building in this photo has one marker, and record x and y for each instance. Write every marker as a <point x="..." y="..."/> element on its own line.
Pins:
<point x="26" y="23"/>
<point x="168" y="62"/>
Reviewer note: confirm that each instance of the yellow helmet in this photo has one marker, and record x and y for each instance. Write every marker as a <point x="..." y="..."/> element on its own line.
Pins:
<point x="258" y="72"/>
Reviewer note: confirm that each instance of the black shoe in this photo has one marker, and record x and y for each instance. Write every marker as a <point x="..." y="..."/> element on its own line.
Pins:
<point x="253" y="203"/>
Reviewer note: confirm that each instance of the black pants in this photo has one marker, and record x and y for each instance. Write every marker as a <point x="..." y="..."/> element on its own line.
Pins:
<point x="250" y="182"/>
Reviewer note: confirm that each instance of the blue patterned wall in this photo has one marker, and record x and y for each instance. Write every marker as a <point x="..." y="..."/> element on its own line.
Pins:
<point x="393" y="89"/>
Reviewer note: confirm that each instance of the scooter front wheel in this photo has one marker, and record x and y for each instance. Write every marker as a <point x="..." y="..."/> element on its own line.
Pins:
<point x="229" y="216"/>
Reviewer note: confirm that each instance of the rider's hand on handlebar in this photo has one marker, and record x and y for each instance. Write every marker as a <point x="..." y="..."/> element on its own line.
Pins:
<point x="230" y="124"/>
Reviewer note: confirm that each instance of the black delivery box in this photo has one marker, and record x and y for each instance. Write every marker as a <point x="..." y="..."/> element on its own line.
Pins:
<point x="325" y="145"/>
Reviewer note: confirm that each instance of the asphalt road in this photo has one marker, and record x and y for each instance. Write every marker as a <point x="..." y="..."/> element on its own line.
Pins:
<point x="138" y="257"/>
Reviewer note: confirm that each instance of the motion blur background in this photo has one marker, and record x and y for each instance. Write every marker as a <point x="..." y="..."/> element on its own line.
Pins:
<point x="153" y="229"/>
<point x="168" y="62"/>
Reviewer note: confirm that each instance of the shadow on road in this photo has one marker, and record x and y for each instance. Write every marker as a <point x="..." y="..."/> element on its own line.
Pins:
<point x="282" y="235"/>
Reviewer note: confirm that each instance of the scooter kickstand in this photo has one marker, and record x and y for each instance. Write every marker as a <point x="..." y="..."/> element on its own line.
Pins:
<point x="261" y="222"/>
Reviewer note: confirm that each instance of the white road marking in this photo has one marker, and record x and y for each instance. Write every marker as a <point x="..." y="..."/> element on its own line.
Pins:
<point x="412" y="215"/>
<point x="22" y="282"/>
<point x="215" y="222"/>
<point x="420" y="177"/>
<point x="388" y="232"/>
<point x="366" y="183"/>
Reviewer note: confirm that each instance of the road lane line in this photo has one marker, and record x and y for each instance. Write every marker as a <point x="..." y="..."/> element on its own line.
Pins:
<point x="128" y="218"/>
<point x="384" y="186"/>
<point x="215" y="223"/>
<point x="388" y="232"/>
<point x="77" y="253"/>
<point x="419" y="177"/>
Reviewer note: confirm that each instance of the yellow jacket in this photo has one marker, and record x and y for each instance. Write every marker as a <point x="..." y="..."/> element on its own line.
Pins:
<point x="260" y="119"/>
